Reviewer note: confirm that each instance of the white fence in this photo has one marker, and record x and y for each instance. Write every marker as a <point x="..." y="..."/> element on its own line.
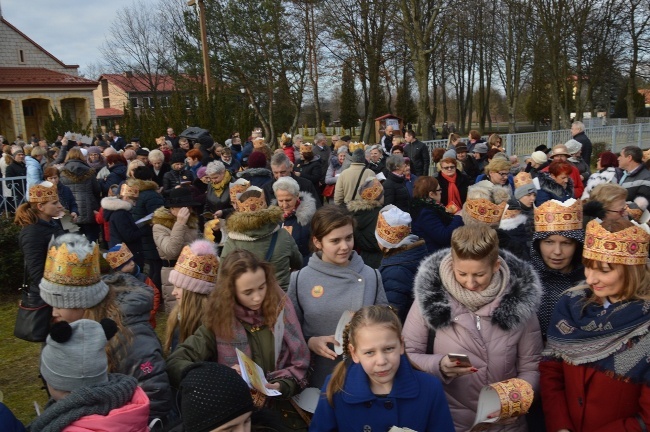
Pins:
<point x="616" y="137"/>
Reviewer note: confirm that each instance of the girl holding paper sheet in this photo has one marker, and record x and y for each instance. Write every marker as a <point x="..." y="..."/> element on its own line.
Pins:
<point x="244" y="314"/>
<point x="335" y="281"/>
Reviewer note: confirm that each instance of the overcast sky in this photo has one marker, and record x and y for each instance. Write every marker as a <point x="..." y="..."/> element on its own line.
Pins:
<point x="71" y="30"/>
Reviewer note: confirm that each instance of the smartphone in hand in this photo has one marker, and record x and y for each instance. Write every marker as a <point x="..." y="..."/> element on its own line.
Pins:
<point x="462" y="358"/>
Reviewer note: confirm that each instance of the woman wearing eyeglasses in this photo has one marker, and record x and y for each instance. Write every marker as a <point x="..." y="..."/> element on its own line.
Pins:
<point x="498" y="173"/>
<point x="606" y="202"/>
<point x="453" y="184"/>
<point x="556" y="184"/>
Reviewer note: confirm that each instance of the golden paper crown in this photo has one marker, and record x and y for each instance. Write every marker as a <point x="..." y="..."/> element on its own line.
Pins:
<point x="238" y="188"/>
<point x="628" y="247"/>
<point x="42" y="193"/>
<point x="117" y="258"/>
<point x="635" y="214"/>
<point x="306" y="147"/>
<point x="510" y="213"/>
<point x="258" y="142"/>
<point x="372" y="192"/>
<point x="484" y="210"/>
<point x="523" y="178"/>
<point x="65" y="268"/>
<point x="129" y="191"/>
<point x="356" y="145"/>
<point x="554" y="216"/>
<point x="251" y="203"/>
<point x="391" y="234"/>
<point x="201" y="267"/>
<point x="515" y="395"/>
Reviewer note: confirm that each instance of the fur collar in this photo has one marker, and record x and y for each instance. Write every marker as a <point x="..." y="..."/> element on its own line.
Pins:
<point x="517" y="306"/>
<point x="143" y="185"/>
<point x="114" y="203"/>
<point x="550" y="185"/>
<point x="363" y="205"/>
<point x="162" y="216"/>
<point x="242" y="222"/>
<point x="512" y="223"/>
<point x="306" y="209"/>
<point x="78" y="175"/>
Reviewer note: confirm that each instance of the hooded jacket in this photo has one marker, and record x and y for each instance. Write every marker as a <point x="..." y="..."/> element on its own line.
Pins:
<point x="341" y="289"/>
<point x="117" y="174"/>
<point x="117" y="213"/>
<point x="502" y="338"/>
<point x="148" y="201"/>
<point x="366" y="213"/>
<point x="253" y="231"/>
<point x="143" y="359"/>
<point x="170" y="237"/>
<point x="257" y="176"/>
<point x="34" y="171"/>
<point x="396" y="192"/>
<point x="80" y="178"/>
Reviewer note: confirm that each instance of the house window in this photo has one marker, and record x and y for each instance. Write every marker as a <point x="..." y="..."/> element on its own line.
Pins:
<point x="148" y="102"/>
<point x="28" y="111"/>
<point x="134" y="102"/>
<point x="21" y="56"/>
<point x="164" y="101"/>
<point x="107" y="103"/>
<point x="104" y="88"/>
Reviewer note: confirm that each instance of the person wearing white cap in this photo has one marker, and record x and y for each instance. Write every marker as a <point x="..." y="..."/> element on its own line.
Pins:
<point x="575" y="151"/>
<point x="403" y="253"/>
<point x="536" y="162"/>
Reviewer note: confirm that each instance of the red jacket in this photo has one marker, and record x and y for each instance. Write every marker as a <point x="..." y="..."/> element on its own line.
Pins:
<point x="99" y="218"/>
<point x="578" y="186"/>
<point x="288" y="150"/>
<point x="583" y="399"/>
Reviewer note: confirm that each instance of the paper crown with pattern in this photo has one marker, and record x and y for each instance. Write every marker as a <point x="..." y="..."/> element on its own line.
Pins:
<point x="194" y="272"/>
<point x="117" y="258"/>
<point x="554" y="215"/>
<point x="306" y="147"/>
<point x="512" y="398"/>
<point x="251" y="203"/>
<point x="129" y="191"/>
<point x="627" y="247"/>
<point x="510" y="213"/>
<point x="522" y="178"/>
<point x="484" y="210"/>
<point x="391" y="234"/>
<point x="356" y="145"/>
<point x="237" y="188"/>
<point x="43" y="192"/>
<point x="371" y="189"/>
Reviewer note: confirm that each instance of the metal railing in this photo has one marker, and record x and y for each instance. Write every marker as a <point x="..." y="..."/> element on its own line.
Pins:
<point x="12" y="194"/>
<point x="616" y="137"/>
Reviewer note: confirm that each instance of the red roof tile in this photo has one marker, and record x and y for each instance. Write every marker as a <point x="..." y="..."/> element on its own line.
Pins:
<point x="140" y="84"/>
<point x="109" y="112"/>
<point x="11" y="77"/>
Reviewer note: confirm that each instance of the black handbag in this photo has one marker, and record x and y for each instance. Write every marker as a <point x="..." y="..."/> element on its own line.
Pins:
<point x="33" y="318"/>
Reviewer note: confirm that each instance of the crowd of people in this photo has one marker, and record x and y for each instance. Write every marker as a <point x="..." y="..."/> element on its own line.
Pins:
<point x="457" y="269"/>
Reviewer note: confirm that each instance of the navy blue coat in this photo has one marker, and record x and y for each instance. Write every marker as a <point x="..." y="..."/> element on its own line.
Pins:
<point x="148" y="202"/>
<point x="66" y="197"/>
<point x="397" y="274"/>
<point x="416" y="401"/>
<point x="428" y="226"/>
<point x="123" y="229"/>
<point x="117" y="176"/>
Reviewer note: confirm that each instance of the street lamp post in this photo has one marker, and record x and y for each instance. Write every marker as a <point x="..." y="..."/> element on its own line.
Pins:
<point x="204" y="43"/>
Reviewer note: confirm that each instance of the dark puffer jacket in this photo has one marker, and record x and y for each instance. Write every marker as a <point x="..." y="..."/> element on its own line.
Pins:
<point x="173" y="178"/>
<point x="143" y="359"/>
<point x="33" y="240"/>
<point x="123" y="229"/>
<point x="148" y="202"/>
<point x="312" y="171"/>
<point x="80" y="178"/>
<point x="117" y="176"/>
<point x="257" y="176"/>
<point x="398" y="273"/>
<point x="365" y="213"/>
<point x="396" y="193"/>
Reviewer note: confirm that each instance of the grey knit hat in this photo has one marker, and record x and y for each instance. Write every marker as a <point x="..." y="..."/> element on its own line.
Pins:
<point x="72" y="278"/>
<point x="74" y="355"/>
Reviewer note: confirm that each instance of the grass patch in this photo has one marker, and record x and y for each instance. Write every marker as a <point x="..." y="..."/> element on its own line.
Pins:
<point x="19" y="363"/>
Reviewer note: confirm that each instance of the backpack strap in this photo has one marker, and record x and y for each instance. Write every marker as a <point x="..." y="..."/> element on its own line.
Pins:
<point x="269" y="252"/>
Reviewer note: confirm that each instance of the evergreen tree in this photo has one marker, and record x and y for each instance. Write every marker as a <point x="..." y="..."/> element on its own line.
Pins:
<point x="404" y="103"/>
<point x="349" y="114"/>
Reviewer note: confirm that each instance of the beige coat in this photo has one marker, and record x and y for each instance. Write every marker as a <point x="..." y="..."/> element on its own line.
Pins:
<point x="170" y="238"/>
<point x="348" y="180"/>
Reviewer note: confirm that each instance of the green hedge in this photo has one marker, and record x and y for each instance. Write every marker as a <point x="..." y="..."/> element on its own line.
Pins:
<point x="11" y="264"/>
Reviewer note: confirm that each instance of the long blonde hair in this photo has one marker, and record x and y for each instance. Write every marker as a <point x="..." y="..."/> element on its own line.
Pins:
<point x="186" y="317"/>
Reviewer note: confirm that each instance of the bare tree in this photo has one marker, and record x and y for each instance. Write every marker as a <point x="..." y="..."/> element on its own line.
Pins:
<point x="637" y="24"/>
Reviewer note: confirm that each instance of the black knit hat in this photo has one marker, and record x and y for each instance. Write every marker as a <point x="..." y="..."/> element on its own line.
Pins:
<point x="212" y="395"/>
<point x="178" y="156"/>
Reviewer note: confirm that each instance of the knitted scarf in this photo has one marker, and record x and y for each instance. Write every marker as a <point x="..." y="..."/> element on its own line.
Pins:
<point x="453" y="194"/>
<point x="291" y="212"/>
<point x="294" y="357"/>
<point x="473" y="300"/>
<point x="97" y="399"/>
<point x="614" y="340"/>
<point x="221" y="186"/>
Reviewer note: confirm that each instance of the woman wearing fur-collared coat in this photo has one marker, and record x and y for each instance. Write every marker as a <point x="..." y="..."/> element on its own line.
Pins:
<point x="487" y="313"/>
<point x="171" y="234"/>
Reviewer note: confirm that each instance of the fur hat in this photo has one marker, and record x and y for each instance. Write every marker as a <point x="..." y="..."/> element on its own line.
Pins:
<point x="257" y="159"/>
<point x="573" y="146"/>
<point x="524" y="185"/>
<point x="394" y="228"/>
<point x="74" y="355"/>
<point x="72" y="278"/>
<point x="211" y="395"/>
<point x="539" y="157"/>
<point x="118" y="256"/>
<point x="196" y="268"/>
